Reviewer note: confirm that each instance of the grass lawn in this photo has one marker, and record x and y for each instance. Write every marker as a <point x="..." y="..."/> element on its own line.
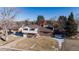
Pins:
<point x="42" y="43"/>
<point x="10" y="38"/>
<point x="71" y="45"/>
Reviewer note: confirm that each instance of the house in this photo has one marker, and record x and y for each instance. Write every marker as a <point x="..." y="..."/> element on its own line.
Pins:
<point x="35" y="30"/>
<point x="45" y="31"/>
<point x="29" y="30"/>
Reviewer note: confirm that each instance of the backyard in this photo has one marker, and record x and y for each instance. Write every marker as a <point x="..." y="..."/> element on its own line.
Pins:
<point x="41" y="43"/>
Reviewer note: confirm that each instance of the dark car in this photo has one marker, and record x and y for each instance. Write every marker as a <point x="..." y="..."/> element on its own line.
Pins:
<point x="19" y="34"/>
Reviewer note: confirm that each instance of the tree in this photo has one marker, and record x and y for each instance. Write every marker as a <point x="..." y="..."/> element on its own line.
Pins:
<point x="71" y="28"/>
<point x="60" y="28"/>
<point x="40" y="21"/>
<point x="26" y="22"/>
<point x="33" y="22"/>
<point x="62" y="21"/>
<point x="50" y="21"/>
<point x="7" y="15"/>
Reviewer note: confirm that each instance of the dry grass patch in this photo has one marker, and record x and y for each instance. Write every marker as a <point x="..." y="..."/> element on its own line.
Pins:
<point x="38" y="44"/>
<point x="10" y="38"/>
<point x="70" y="45"/>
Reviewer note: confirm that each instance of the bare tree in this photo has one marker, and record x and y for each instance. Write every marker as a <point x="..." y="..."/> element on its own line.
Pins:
<point x="7" y="15"/>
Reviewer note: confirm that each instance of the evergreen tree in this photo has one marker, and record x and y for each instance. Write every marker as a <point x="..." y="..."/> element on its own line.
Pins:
<point x="71" y="27"/>
<point x="40" y="20"/>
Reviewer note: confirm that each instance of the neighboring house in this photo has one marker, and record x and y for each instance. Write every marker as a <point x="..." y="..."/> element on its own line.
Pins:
<point x="37" y="30"/>
<point x="30" y="29"/>
<point x="51" y="27"/>
<point x="45" y="32"/>
<point x="27" y="29"/>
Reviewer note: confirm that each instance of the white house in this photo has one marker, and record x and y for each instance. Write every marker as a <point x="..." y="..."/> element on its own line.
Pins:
<point x="29" y="30"/>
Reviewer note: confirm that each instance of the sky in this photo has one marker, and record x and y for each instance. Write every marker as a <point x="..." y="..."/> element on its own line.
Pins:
<point x="32" y="13"/>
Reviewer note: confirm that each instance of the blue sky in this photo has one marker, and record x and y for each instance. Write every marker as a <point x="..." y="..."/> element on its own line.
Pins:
<point x="48" y="12"/>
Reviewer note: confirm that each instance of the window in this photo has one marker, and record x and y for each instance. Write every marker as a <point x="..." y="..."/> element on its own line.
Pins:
<point x="32" y="29"/>
<point x="25" y="29"/>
